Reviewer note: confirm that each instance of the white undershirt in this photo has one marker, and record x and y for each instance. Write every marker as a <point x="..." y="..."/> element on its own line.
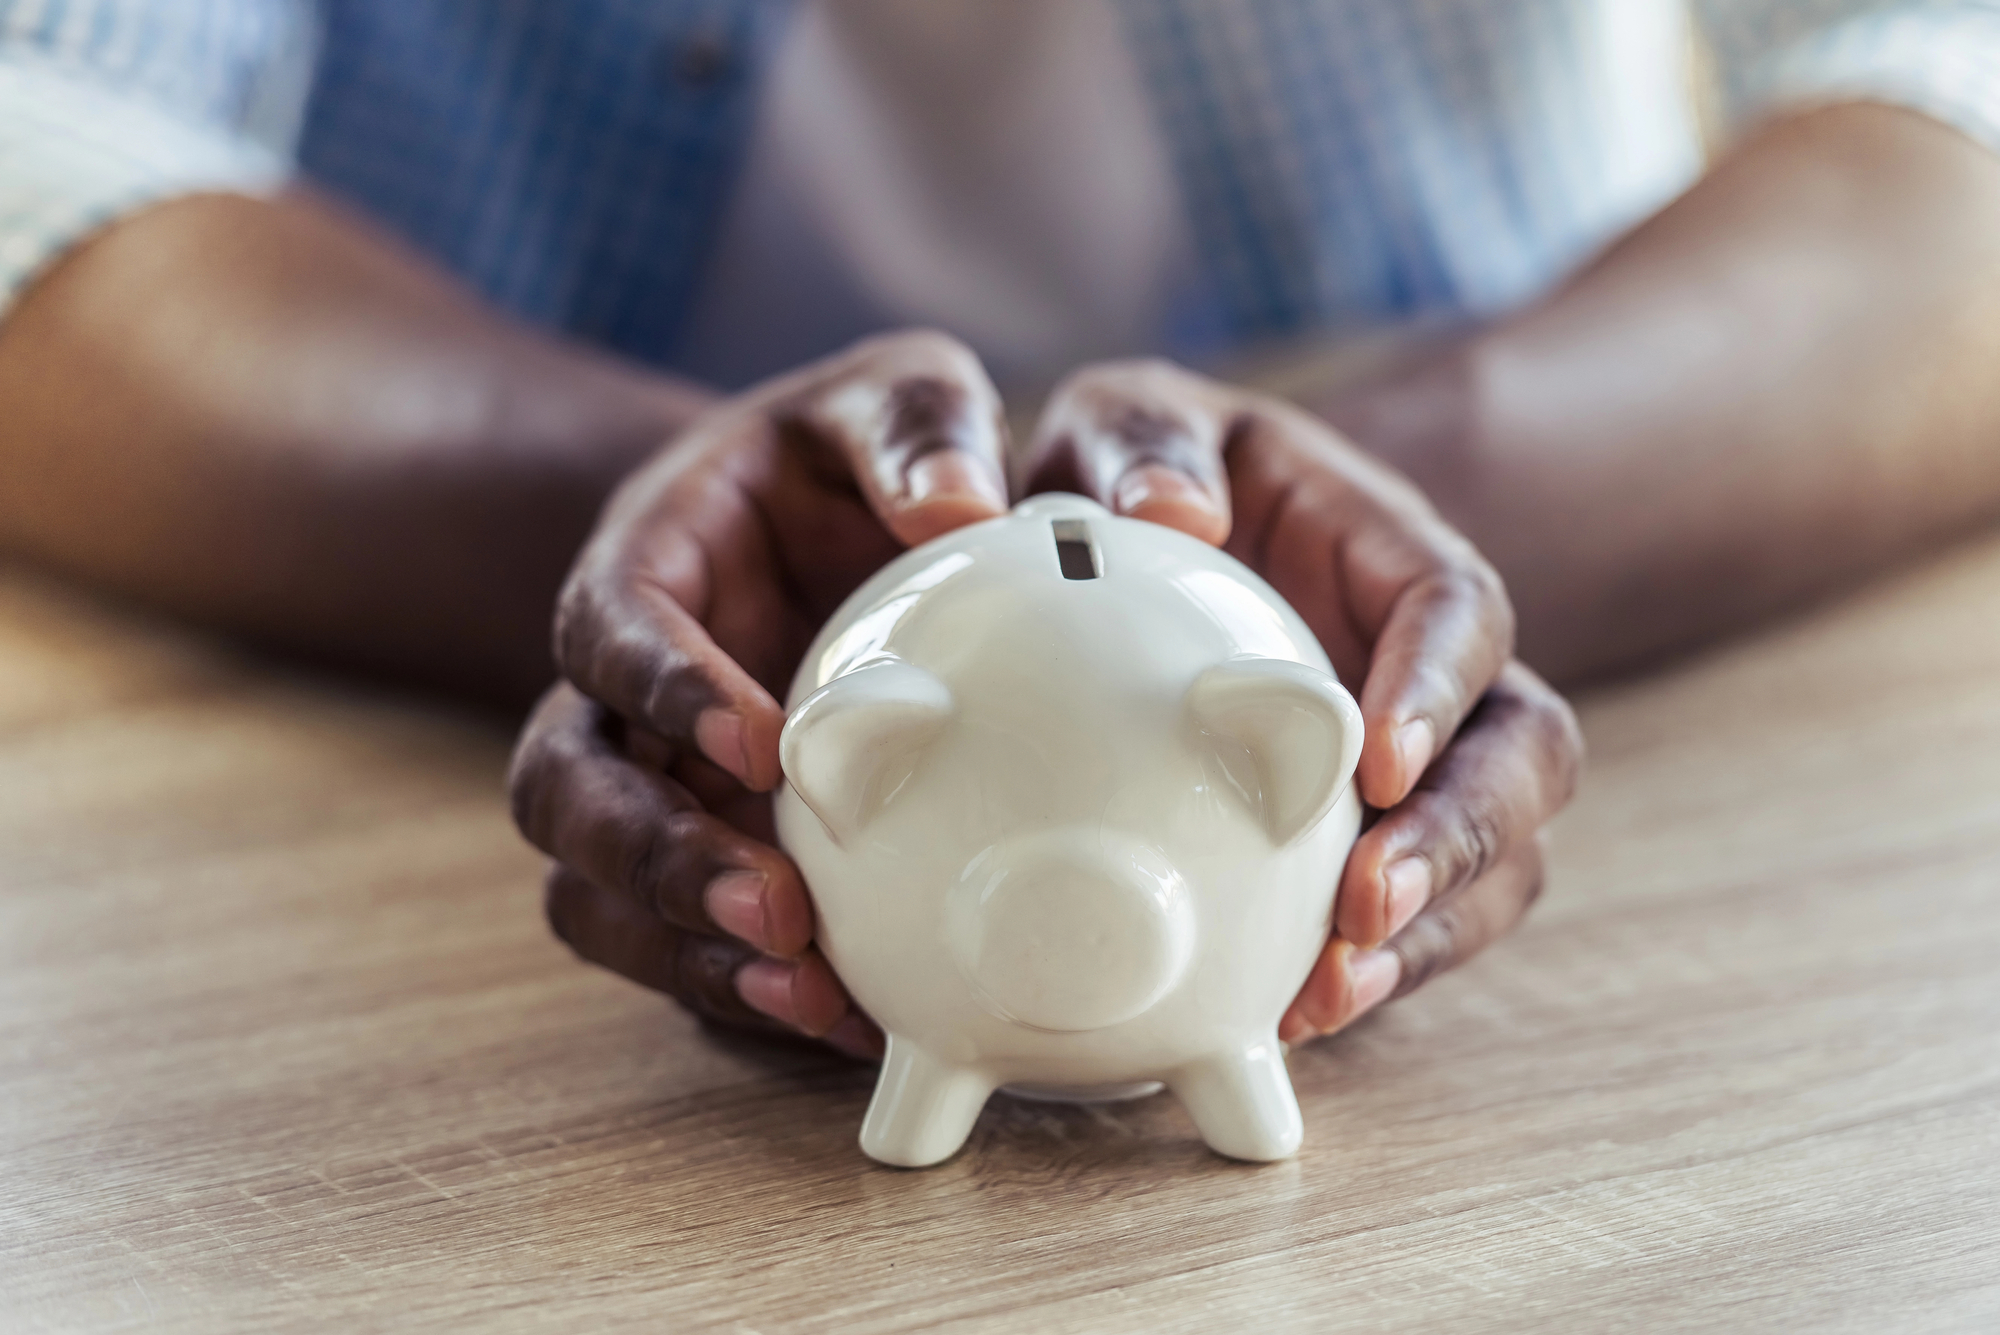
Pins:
<point x="991" y="169"/>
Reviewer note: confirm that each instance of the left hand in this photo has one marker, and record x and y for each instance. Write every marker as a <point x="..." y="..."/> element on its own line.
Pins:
<point x="646" y="773"/>
<point x="1468" y="753"/>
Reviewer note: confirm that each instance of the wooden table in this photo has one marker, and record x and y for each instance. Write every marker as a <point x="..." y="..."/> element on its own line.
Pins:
<point x="285" y="1045"/>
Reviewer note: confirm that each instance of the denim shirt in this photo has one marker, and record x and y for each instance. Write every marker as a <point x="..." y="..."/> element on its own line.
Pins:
<point x="1342" y="161"/>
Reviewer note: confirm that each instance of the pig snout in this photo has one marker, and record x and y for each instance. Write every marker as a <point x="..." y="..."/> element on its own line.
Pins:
<point x="1071" y="930"/>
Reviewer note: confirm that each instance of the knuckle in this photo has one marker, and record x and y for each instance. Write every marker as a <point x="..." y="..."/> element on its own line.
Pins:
<point x="1502" y="706"/>
<point x="1469" y="579"/>
<point x="1556" y="733"/>
<point x="676" y="690"/>
<point x="1427" y="947"/>
<point x="668" y="862"/>
<point x="1562" y="747"/>
<point x="542" y="771"/>
<point x="1460" y="579"/>
<point x="641" y="866"/>
<point x="926" y="412"/>
<point x="1434" y="684"/>
<point x="1115" y="416"/>
<point x="1162" y="437"/>
<point x="1448" y="933"/>
<point x="651" y="855"/>
<point x="1462" y="828"/>
<point x="531" y="785"/>
<point x="577" y="624"/>
<point x="1481" y="842"/>
<point x="1482" y="579"/>
<point x="524" y="787"/>
<point x="701" y="974"/>
<point x="684" y="829"/>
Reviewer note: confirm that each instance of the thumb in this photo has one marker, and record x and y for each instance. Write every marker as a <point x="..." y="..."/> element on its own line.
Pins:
<point x="919" y="423"/>
<point x="1143" y="438"/>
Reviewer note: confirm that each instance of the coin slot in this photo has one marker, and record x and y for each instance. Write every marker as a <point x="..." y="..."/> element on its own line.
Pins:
<point x="1075" y="552"/>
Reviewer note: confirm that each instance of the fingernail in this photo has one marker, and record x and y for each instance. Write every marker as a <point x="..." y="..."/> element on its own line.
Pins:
<point x="818" y="998"/>
<point x="857" y="1037"/>
<point x="805" y="996"/>
<point x="766" y="985"/>
<point x="1293" y="1027"/>
<point x="1415" y="740"/>
<point x="1407" y="886"/>
<point x="952" y="475"/>
<point x="736" y="902"/>
<point x="1164" y="491"/>
<point x="1372" y="974"/>
<point x="722" y="738"/>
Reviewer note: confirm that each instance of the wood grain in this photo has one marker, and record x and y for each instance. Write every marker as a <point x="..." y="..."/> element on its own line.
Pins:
<point x="284" y="1045"/>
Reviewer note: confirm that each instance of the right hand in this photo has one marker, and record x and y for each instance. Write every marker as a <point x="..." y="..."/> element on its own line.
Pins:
<point x="1467" y="753"/>
<point x="646" y="772"/>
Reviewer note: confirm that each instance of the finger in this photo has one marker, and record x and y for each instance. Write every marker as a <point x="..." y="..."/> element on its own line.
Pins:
<point x="631" y="830"/>
<point x="1143" y="438"/>
<point x="1347" y="982"/>
<point x="611" y="930"/>
<point x="1381" y="578"/>
<point x="1448" y="633"/>
<point x="912" y="418"/>
<point x="802" y="994"/>
<point x="714" y="977"/>
<point x="1512" y="766"/>
<point x="918" y="421"/>
<point x="629" y="632"/>
<point x="1460" y="925"/>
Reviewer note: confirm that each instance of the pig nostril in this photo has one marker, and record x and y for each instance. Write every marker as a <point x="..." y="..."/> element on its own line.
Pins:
<point x="1075" y="552"/>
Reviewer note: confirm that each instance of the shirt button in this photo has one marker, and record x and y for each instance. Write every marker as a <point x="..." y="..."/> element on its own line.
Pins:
<point x="700" y="61"/>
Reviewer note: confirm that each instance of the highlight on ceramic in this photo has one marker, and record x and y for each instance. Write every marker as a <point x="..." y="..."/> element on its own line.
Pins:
<point x="1071" y="793"/>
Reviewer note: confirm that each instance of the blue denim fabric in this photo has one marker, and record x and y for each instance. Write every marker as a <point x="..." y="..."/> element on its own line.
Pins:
<point x="1342" y="161"/>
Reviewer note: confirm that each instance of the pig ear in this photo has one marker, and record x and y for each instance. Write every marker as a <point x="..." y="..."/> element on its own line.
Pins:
<point x="854" y="742"/>
<point x="1286" y="736"/>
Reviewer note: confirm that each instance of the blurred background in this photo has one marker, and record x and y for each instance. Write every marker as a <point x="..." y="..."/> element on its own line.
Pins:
<point x="328" y="331"/>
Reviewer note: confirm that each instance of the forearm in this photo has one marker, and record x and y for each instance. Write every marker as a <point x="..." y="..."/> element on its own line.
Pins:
<point x="1787" y="378"/>
<point x="266" y="416"/>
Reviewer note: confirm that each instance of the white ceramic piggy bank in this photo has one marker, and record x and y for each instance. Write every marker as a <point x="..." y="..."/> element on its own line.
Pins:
<point x="1071" y="795"/>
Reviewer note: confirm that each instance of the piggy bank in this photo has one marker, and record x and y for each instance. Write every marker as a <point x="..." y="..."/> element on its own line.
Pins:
<point x="1071" y="794"/>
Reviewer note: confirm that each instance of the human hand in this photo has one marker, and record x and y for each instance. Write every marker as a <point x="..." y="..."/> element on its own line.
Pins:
<point x="1468" y="753"/>
<point x="646" y="772"/>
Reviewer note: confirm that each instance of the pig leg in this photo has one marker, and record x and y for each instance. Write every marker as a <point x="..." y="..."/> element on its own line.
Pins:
<point x="923" y="1109"/>
<point x="1242" y="1102"/>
